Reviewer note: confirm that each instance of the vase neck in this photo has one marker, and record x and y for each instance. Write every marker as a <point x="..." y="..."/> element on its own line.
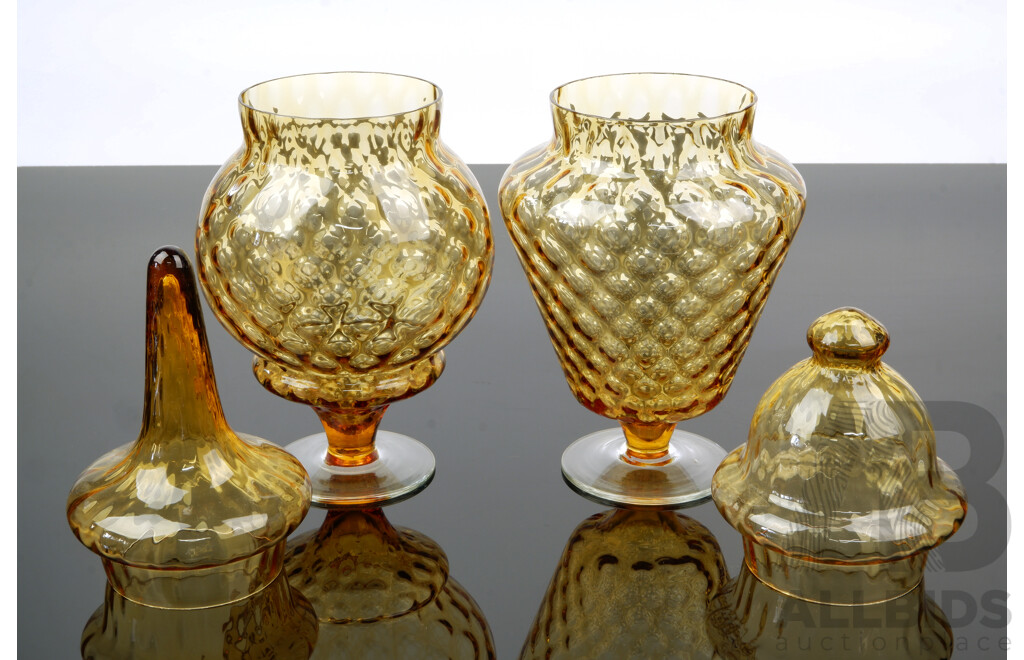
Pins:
<point x="340" y="143"/>
<point x="339" y="121"/>
<point x="655" y="145"/>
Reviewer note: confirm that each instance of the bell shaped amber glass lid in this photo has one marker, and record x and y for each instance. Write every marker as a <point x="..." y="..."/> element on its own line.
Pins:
<point x="840" y="470"/>
<point x="191" y="514"/>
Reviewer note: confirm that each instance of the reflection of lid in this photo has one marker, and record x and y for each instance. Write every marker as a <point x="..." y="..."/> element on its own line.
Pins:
<point x="840" y="464"/>
<point x="751" y="621"/>
<point x="189" y="494"/>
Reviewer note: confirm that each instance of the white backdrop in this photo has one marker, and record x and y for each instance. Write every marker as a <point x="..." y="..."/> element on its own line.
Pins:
<point x="123" y="82"/>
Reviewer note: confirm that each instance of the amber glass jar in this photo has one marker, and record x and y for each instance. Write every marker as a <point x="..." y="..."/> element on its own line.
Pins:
<point x="651" y="228"/>
<point x="346" y="245"/>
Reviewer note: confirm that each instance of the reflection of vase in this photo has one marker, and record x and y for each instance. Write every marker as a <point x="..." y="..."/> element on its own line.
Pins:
<point x="752" y="621"/>
<point x="191" y="514"/>
<point x="630" y="584"/>
<point x="345" y="245"/>
<point x="384" y="592"/>
<point x="276" y="622"/>
<point x="651" y="229"/>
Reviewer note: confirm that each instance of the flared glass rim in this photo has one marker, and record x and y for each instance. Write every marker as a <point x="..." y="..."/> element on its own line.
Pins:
<point x="244" y="102"/>
<point x="554" y="96"/>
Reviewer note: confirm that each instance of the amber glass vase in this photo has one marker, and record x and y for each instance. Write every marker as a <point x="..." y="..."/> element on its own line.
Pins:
<point x="345" y="245"/>
<point x="191" y="515"/>
<point x="384" y="592"/>
<point x="651" y="228"/>
<point x="631" y="584"/>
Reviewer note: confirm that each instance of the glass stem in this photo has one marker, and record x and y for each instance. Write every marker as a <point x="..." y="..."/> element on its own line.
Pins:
<point x="647" y="440"/>
<point x="350" y="434"/>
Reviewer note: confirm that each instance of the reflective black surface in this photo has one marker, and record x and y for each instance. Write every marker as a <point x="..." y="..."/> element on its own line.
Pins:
<point x="920" y="247"/>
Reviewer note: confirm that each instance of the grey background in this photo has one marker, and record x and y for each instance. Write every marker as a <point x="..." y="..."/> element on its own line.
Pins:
<point x="920" y="247"/>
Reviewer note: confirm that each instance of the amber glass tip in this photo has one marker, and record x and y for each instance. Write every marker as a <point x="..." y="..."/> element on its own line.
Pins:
<point x="176" y="346"/>
<point x="170" y="261"/>
<point x="846" y="334"/>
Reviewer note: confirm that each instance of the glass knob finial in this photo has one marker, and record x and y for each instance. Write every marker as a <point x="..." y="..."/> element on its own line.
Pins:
<point x="847" y="334"/>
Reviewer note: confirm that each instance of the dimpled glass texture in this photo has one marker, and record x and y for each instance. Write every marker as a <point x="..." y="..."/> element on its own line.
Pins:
<point x="651" y="228"/>
<point x="191" y="514"/>
<point x="630" y="584"/>
<point x="345" y="245"/>
<point x="384" y="592"/>
<point x="838" y="492"/>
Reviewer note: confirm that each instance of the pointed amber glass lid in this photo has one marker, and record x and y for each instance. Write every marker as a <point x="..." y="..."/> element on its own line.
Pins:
<point x="838" y="491"/>
<point x="190" y="497"/>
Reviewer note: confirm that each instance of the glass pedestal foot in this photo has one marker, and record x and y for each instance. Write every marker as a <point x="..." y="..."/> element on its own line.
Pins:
<point x="598" y="467"/>
<point x="401" y="468"/>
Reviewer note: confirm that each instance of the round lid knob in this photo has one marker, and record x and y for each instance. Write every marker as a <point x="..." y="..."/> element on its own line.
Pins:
<point x="847" y="335"/>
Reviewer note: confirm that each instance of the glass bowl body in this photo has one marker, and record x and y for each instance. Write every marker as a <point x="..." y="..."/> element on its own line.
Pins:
<point x="343" y="240"/>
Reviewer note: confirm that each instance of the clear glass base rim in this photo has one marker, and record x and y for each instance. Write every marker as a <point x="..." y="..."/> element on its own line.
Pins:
<point x="403" y="468"/>
<point x="690" y="454"/>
